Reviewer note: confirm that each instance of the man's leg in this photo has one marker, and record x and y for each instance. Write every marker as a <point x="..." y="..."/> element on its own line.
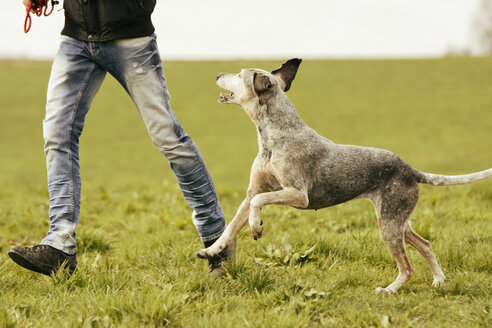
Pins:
<point x="74" y="81"/>
<point x="136" y="64"/>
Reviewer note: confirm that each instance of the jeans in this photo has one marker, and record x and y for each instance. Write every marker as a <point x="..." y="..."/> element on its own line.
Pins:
<point x="78" y="71"/>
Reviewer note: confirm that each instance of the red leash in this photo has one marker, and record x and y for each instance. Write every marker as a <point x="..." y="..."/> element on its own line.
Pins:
<point x="37" y="7"/>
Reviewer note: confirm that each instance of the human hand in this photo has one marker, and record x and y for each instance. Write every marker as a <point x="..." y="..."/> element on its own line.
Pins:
<point x="26" y="4"/>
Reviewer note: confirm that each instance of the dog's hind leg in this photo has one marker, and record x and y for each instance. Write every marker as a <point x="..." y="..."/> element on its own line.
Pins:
<point x="424" y="248"/>
<point x="286" y="196"/>
<point x="393" y="207"/>
<point x="394" y="239"/>
<point x="231" y="231"/>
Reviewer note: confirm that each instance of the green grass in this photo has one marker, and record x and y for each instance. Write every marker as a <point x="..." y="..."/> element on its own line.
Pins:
<point x="136" y="242"/>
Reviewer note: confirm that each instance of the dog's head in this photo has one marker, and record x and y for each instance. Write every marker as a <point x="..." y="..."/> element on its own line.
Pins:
<point x="252" y="87"/>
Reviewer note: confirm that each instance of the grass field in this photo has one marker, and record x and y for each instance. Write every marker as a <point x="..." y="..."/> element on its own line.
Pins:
<point x="136" y="243"/>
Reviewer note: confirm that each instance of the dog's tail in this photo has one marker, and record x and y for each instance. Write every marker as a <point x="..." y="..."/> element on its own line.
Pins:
<point x="451" y="180"/>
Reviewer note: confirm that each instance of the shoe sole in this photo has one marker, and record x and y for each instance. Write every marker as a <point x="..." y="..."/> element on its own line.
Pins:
<point x="32" y="265"/>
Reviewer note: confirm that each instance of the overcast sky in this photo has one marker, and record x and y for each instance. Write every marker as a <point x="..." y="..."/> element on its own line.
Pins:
<point x="225" y="29"/>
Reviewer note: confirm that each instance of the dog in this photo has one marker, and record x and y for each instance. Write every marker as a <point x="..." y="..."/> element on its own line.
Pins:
<point x="296" y="166"/>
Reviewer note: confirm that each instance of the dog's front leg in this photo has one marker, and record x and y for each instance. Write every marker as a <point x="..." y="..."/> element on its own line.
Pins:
<point x="287" y="196"/>
<point x="229" y="233"/>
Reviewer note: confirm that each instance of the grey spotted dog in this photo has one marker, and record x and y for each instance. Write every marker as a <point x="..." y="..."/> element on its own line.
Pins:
<point x="296" y="166"/>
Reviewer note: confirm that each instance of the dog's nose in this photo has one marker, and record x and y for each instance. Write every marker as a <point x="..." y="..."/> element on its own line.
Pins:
<point x="218" y="75"/>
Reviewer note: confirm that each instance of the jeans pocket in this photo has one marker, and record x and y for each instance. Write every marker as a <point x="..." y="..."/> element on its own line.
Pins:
<point x="140" y="42"/>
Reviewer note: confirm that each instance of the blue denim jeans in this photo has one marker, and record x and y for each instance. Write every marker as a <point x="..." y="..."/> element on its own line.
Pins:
<point x="78" y="71"/>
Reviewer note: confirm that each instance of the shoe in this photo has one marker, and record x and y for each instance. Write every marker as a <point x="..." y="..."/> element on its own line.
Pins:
<point x="226" y="256"/>
<point x="42" y="259"/>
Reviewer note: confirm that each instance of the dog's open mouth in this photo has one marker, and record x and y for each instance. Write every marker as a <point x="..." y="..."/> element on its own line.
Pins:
<point x="226" y="97"/>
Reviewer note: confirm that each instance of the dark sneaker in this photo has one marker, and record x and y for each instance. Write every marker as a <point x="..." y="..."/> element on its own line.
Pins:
<point x="42" y="259"/>
<point x="226" y="256"/>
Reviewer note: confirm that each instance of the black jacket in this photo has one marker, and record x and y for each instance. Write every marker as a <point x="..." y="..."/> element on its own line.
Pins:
<point x="105" y="20"/>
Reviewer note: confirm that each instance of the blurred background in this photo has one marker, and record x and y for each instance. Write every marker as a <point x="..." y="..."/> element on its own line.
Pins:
<point x="257" y="29"/>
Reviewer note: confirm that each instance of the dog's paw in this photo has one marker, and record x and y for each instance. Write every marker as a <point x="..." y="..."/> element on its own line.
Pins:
<point x="384" y="291"/>
<point x="203" y="254"/>
<point x="257" y="231"/>
<point x="438" y="281"/>
<point x="208" y="253"/>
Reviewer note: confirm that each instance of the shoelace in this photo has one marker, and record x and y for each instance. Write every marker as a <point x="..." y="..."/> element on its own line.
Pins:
<point x="38" y="248"/>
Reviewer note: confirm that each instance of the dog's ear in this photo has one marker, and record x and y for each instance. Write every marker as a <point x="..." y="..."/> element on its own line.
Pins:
<point x="287" y="73"/>
<point x="263" y="86"/>
<point x="262" y="83"/>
